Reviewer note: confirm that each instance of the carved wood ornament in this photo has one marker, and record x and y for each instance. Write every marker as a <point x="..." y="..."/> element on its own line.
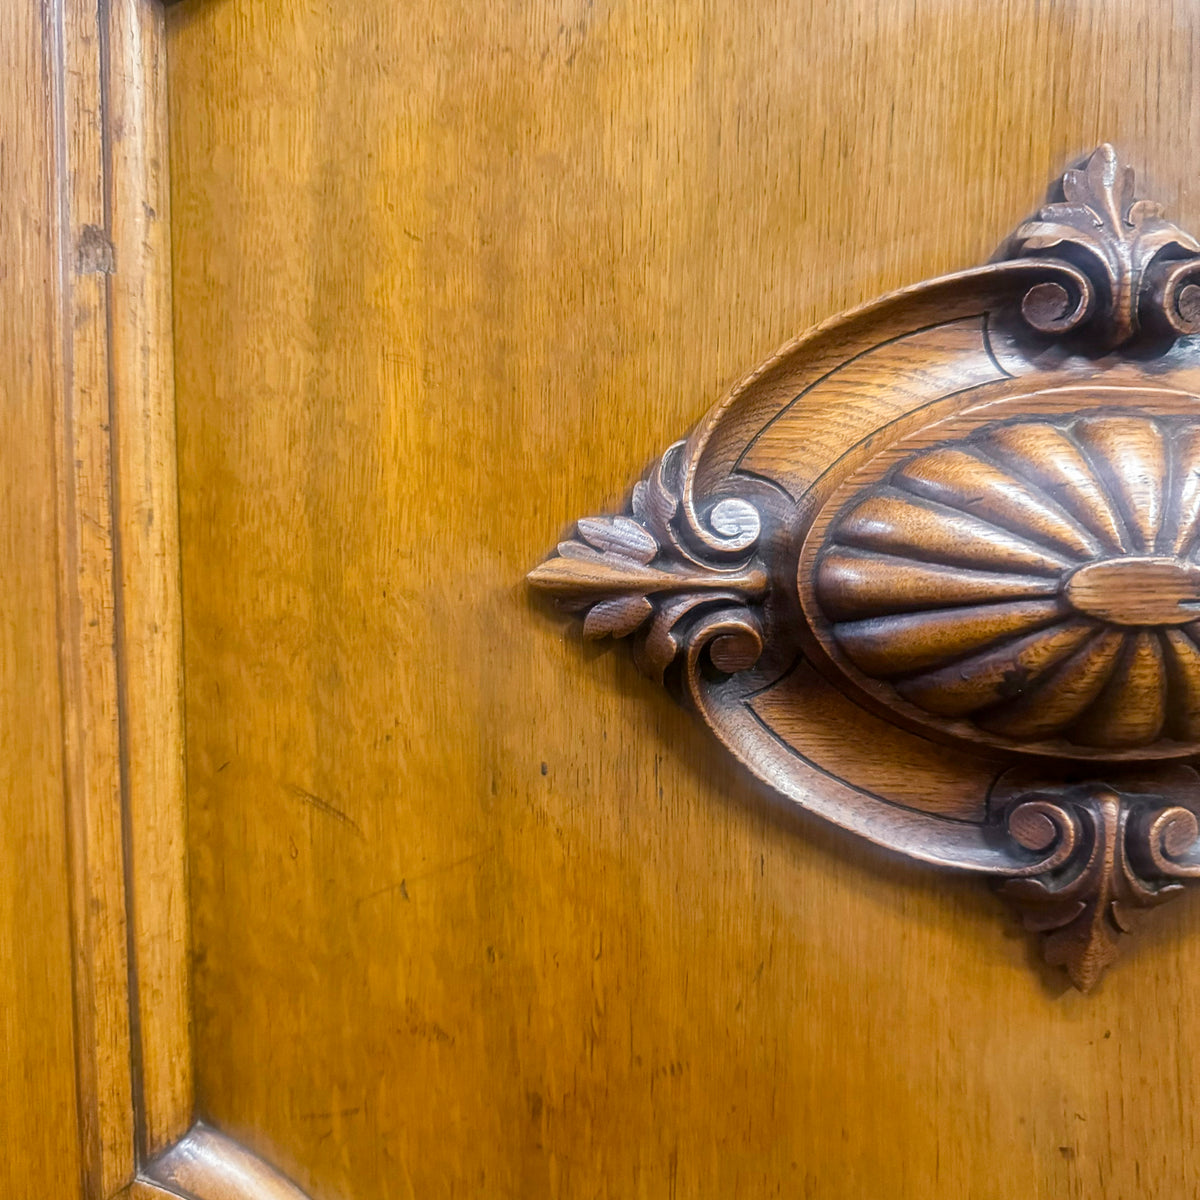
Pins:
<point x="933" y="570"/>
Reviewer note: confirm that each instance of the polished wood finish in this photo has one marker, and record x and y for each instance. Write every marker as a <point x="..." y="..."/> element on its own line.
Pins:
<point x="1112" y="856"/>
<point x="683" y="587"/>
<point x="446" y="278"/>
<point x="1030" y="582"/>
<point x="995" y="539"/>
<point x="474" y="911"/>
<point x="96" y="945"/>
<point x="38" y="1116"/>
<point x="1140" y="260"/>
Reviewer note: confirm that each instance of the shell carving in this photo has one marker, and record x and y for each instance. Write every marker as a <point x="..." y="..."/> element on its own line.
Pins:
<point x="1036" y="583"/>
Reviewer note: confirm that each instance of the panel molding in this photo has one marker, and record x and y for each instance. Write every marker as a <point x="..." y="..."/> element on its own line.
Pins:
<point x="119" y="632"/>
<point x="119" y="617"/>
<point x="207" y="1165"/>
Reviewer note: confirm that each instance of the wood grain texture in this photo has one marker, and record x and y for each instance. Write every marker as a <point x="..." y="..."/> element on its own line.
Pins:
<point x="38" y="1126"/>
<point x="147" y="516"/>
<point x="106" y="465"/>
<point x="87" y="603"/>
<point x="477" y="912"/>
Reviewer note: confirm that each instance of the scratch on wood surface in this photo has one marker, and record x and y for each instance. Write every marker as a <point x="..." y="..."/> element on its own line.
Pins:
<point x="334" y="1112"/>
<point x="321" y="805"/>
<point x="402" y="886"/>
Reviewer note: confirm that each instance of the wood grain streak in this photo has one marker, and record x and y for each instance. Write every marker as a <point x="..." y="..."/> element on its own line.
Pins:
<point x="38" y="1119"/>
<point x="88" y="630"/>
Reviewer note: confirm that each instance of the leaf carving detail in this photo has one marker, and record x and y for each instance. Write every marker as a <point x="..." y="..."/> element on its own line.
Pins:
<point x="1108" y="858"/>
<point x="618" y="617"/>
<point x="1122" y="236"/>
<point x="634" y="573"/>
<point x="618" y="536"/>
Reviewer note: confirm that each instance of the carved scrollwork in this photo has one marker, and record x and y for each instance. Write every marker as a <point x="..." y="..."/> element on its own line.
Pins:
<point x="653" y="573"/>
<point x="918" y="549"/>
<point x="1139" y="266"/>
<point x="1100" y="859"/>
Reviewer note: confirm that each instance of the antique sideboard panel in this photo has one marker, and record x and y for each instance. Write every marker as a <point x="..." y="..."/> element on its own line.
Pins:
<point x="448" y="904"/>
<point x="478" y="911"/>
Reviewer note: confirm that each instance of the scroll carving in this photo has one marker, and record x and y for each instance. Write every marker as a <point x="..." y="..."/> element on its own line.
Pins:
<point x="965" y="516"/>
<point x="1113" y="856"/>
<point x="1139" y="262"/>
<point x="651" y="574"/>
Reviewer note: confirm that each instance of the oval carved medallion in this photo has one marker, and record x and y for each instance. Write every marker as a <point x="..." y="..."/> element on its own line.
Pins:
<point x="1031" y="583"/>
<point x="932" y="571"/>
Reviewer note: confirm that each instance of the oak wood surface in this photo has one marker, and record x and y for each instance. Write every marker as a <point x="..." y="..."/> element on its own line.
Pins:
<point x="477" y="912"/>
<point x="118" y="604"/>
<point x="94" y="960"/>
<point x="38" y="1130"/>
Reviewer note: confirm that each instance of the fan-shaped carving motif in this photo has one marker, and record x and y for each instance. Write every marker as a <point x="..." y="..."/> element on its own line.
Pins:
<point x="984" y="493"/>
<point x="1037" y="580"/>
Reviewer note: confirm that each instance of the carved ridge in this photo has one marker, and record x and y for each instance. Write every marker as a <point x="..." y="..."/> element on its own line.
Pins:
<point x="207" y="1165"/>
<point x="968" y="585"/>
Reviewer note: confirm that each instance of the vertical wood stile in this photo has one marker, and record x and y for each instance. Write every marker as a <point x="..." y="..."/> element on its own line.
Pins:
<point x="119" y="622"/>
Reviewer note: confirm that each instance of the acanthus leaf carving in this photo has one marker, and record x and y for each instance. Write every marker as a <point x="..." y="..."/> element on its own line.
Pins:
<point x="1118" y="240"/>
<point x="1104" y="859"/>
<point x="640" y="574"/>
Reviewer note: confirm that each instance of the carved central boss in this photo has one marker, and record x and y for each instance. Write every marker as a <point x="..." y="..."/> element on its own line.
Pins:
<point x="1031" y="583"/>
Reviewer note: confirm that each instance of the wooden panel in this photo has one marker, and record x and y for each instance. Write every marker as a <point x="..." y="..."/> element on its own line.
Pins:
<point x="37" y="1077"/>
<point x="477" y="912"/>
<point x="147" y="565"/>
<point x="94" y="869"/>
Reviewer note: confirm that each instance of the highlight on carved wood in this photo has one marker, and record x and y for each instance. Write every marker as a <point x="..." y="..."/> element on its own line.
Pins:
<point x="206" y="1164"/>
<point x="948" y="538"/>
<point x="1032" y="584"/>
<point x="672" y="584"/>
